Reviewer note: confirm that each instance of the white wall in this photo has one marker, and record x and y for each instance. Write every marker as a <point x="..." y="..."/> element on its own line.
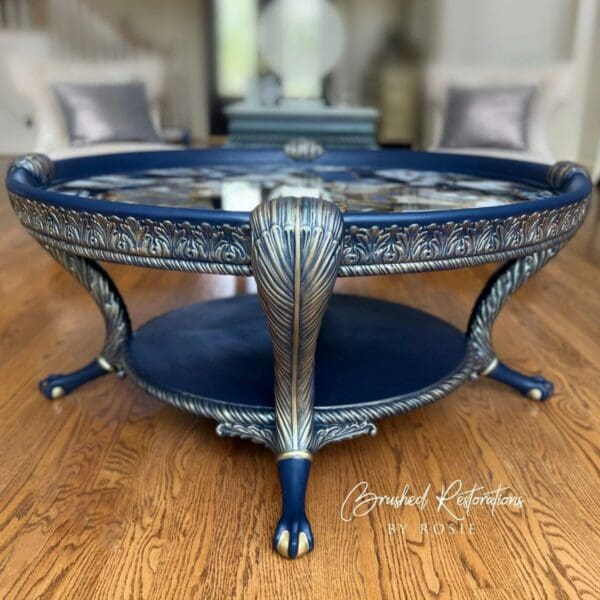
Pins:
<point x="507" y="32"/>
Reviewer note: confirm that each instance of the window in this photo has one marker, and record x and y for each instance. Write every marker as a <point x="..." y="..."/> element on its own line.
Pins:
<point x="236" y="46"/>
<point x="233" y="54"/>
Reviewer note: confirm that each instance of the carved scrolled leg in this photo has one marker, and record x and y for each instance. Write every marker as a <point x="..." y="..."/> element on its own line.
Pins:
<point x="505" y="282"/>
<point x="295" y="259"/>
<point x="116" y="320"/>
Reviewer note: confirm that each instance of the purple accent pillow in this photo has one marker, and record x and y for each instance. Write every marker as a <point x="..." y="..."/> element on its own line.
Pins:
<point x="106" y="112"/>
<point x="494" y="117"/>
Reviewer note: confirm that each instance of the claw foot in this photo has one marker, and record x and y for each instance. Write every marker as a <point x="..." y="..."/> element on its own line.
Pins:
<point x="293" y="539"/>
<point x="542" y="388"/>
<point x="535" y="387"/>
<point x="56" y="386"/>
<point x="293" y="535"/>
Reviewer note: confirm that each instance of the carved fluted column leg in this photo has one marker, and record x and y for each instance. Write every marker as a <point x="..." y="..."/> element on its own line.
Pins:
<point x="505" y="282"/>
<point x="116" y="320"/>
<point x="295" y="259"/>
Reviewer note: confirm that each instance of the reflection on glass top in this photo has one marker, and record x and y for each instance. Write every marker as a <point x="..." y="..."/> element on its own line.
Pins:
<point x="351" y="188"/>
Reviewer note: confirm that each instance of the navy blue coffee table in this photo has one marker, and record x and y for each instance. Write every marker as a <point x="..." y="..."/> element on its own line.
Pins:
<point x="298" y="367"/>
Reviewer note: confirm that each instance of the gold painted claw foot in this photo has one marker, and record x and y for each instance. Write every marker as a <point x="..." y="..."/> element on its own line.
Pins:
<point x="293" y="545"/>
<point x="57" y="386"/>
<point x="534" y="387"/>
<point x="293" y="534"/>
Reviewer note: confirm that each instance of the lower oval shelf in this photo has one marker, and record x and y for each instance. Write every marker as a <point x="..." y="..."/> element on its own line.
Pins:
<point x="369" y="351"/>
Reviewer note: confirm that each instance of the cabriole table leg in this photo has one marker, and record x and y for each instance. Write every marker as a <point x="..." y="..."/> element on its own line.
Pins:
<point x="118" y="329"/>
<point x="295" y="259"/>
<point x="505" y="282"/>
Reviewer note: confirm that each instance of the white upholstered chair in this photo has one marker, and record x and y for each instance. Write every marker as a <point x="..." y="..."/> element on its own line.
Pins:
<point x="33" y="78"/>
<point x="552" y="85"/>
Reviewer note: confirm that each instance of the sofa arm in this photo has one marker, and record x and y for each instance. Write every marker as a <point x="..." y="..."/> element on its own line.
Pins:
<point x="174" y="135"/>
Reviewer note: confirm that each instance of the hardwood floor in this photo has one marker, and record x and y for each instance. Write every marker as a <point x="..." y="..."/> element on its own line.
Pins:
<point x="110" y="494"/>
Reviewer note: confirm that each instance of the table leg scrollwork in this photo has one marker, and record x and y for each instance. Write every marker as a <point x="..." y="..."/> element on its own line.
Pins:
<point x="296" y="253"/>
<point x="505" y="282"/>
<point x="116" y="319"/>
<point x="255" y="432"/>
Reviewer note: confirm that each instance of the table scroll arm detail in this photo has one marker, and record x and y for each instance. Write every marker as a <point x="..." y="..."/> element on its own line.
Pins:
<point x="503" y="284"/>
<point x="116" y="320"/>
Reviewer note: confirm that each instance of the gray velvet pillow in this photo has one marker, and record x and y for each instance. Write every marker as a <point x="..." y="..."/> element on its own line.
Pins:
<point x="106" y="112"/>
<point x="494" y="117"/>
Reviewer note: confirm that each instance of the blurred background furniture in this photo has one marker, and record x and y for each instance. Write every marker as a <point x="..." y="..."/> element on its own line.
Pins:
<point x="47" y="44"/>
<point x="213" y="58"/>
<point x="502" y="112"/>
<point x="39" y="80"/>
<point x="300" y="47"/>
<point x="331" y="126"/>
<point x="399" y="88"/>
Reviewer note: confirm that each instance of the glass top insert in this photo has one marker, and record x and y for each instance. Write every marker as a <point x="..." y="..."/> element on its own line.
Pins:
<point x="361" y="189"/>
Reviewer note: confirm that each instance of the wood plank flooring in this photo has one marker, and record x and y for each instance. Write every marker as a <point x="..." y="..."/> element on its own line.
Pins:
<point x="110" y="494"/>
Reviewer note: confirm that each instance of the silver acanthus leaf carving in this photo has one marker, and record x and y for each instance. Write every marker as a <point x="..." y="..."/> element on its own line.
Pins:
<point x="226" y="248"/>
<point x="255" y="432"/>
<point x="130" y="236"/>
<point x="460" y="241"/>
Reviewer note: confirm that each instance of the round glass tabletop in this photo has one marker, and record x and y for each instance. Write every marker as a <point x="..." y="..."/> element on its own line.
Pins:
<point x="353" y="188"/>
